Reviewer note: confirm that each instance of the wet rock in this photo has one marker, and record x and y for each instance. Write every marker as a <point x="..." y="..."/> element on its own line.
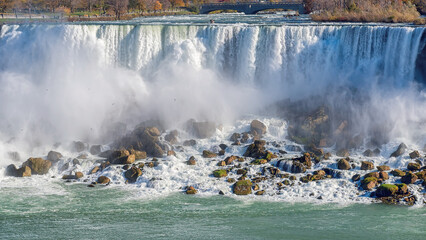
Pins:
<point x="75" y="162"/>
<point x="221" y="192"/>
<point x="274" y="171"/>
<point x="209" y="154"/>
<point x="292" y="178"/>
<point x="384" y="175"/>
<point x="343" y="153"/>
<point x="298" y="167"/>
<point x="327" y="156"/>
<point x="125" y="159"/>
<point x="369" y="183"/>
<point x="282" y="152"/>
<point x="190" y="143"/>
<point x="257" y="128"/>
<point x="317" y="151"/>
<point x="191" y="161"/>
<point x="413" y="166"/>
<point x="409" y="178"/>
<point x="242" y="187"/>
<point x="171" y="153"/>
<point x="75" y="176"/>
<point x="220" y="173"/>
<point x="202" y="129"/>
<point x="414" y="154"/>
<point x="398" y="173"/>
<point x="235" y="137"/>
<point x="259" y="161"/>
<point x="356" y="177"/>
<point x="223" y="146"/>
<point x="221" y="163"/>
<point x="95" y="149"/>
<point x="221" y="152"/>
<point x="368" y="153"/>
<point x="386" y="190"/>
<point x="78" y="146"/>
<point x="132" y="174"/>
<point x="401" y="150"/>
<point x="12" y="171"/>
<point x="256" y="150"/>
<point x="230" y="159"/>
<point x="372" y="174"/>
<point x="172" y="137"/>
<point x="261" y="192"/>
<point x="106" y="154"/>
<point x="138" y="154"/>
<point x="54" y="156"/>
<point x="320" y="173"/>
<point x="94" y="170"/>
<point x="241" y="171"/>
<point x="305" y="160"/>
<point x="38" y="165"/>
<point x="230" y="180"/>
<point x="383" y="168"/>
<point x="367" y="165"/>
<point x="103" y="180"/>
<point x="78" y="175"/>
<point x="91" y="185"/>
<point x="343" y="164"/>
<point x="191" y="190"/>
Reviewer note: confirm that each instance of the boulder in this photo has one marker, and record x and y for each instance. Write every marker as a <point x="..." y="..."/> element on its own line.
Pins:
<point x="414" y="154"/>
<point x="298" y="167"/>
<point x="242" y="187"/>
<point x="103" y="180"/>
<point x="221" y="163"/>
<point x="78" y="146"/>
<point x="367" y="165"/>
<point x="372" y="174"/>
<point x="171" y="153"/>
<point x="54" y="156"/>
<point x="398" y="173"/>
<point x="12" y="171"/>
<point x="356" y="177"/>
<point x="402" y="188"/>
<point x="317" y="151"/>
<point x="305" y="160"/>
<point x="38" y="166"/>
<point x="191" y="161"/>
<point x="256" y="149"/>
<point x="220" y="173"/>
<point x="257" y="128"/>
<point x="386" y="190"/>
<point x="401" y="150"/>
<point x="413" y="166"/>
<point x="384" y="175"/>
<point x="223" y="146"/>
<point x="241" y="171"/>
<point x="95" y="149"/>
<point x="383" y="168"/>
<point x="235" y="137"/>
<point x="94" y="170"/>
<point x="129" y="159"/>
<point x="261" y="192"/>
<point x="368" y="183"/>
<point x="172" y="137"/>
<point x="230" y="159"/>
<point x="191" y="190"/>
<point x="190" y="143"/>
<point x="209" y="154"/>
<point x="203" y="129"/>
<point x="409" y="178"/>
<point x="78" y="175"/>
<point x="343" y="153"/>
<point x="138" y="154"/>
<point x="132" y="174"/>
<point x="343" y="164"/>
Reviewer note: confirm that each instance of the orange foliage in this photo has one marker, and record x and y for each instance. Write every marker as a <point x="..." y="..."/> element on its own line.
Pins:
<point x="158" y="6"/>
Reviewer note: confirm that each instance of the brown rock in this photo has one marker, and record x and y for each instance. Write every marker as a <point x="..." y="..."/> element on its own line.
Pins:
<point x="242" y="187"/>
<point x="125" y="159"/>
<point x="414" y="154"/>
<point x="221" y="163"/>
<point x="132" y="174"/>
<point x="367" y="165"/>
<point x="398" y="173"/>
<point x="78" y="175"/>
<point x="103" y="180"/>
<point x="369" y="183"/>
<point x="138" y="154"/>
<point x="171" y="153"/>
<point x="191" y="190"/>
<point x="209" y="154"/>
<point x="230" y="159"/>
<point x="172" y="136"/>
<point x="191" y="161"/>
<point x="343" y="153"/>
<point x="413" y="166"/>
<point x="343" y="164"/>
<point x="94" y="170"/>
<point x="257" y="128"/>
<point x="383" y="168"/>
<point x="38" y="165"/>
<point x="409" y="178"/>
<point x="54" y="156"/>
<point x="384" y="175"/>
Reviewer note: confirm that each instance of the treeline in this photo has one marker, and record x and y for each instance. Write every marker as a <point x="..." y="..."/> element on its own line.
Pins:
<point x="367" y="10"/>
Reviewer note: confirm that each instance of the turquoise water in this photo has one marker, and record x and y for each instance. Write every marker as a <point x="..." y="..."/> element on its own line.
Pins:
<point x="79" y="212"/>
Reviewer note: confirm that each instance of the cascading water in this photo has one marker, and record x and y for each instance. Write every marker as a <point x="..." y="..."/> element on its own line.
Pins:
<point x="67" y="82"/>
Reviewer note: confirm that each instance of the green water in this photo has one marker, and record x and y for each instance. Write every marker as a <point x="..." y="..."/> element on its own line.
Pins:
<point x="112" y="213"/>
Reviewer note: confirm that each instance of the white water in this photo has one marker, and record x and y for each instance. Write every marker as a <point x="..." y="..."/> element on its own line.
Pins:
<point x="67" y="82"/>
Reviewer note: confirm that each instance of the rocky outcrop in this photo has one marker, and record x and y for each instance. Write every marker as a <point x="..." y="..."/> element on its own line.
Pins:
<point x="38" y="166"/>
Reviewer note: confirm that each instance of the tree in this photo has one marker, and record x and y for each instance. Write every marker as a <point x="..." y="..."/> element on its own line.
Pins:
<point x="158" y="6"/>
<point x="118" y="6"/>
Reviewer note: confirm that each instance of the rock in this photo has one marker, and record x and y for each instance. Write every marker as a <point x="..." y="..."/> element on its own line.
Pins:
<point x="402" y="188"/>
<point x="223" y="146"/>
<point x="383" y="168"/>
<point x="69" y="177"/>
<point x="138" y="154"/>
<point x="95" y="149"/>
<point x="398" y="173"/>
<point x="327" y="156"/>
<point x="414" y="154"/>
<point x="95" y="170"/>
<point x="221" y="192"/>
<point x="209" y="154"/>
<point x="242" y="187"/>
<point x="191" y="161"/>
<point x="384" y="175"/>
<point x="257" y="128"/>
<point x="261" y="192"/>
<point x="132" y="174"/>
<point x="230" y="180"/>
<point x="282" y="151"/>
<point x="230" y="159"/>
<point x="106" y="154"/>
<point x="82" y="156"/>
<point x="235" y="137"/>
<point x="241" y="171"/>
<point x="343" y="153"/>
<point x="298" y="167"/>
<point x="343" y="164"/>
<point x="172" y="136"/>
<point x="203" y="129"/>
<point x="372" y="174"/>
<point x="220" y="173"/>
<point x="54" y="156"/>
<point x="103" y="180"/>
<point x="221" y="152"/>
<point x="171" y="153"/>
<point x="191" y="190"/>
<point x="320" y="173"/>
<point x="118" y="154"/>
<point x="38" y="165"/>
<point x="413" y="166"/>
<point x="401" y="150"/>
<point x="368" y="153"/>
<point x="91" y="185"/>
<point x="356" y="177"/>
<point x="274" y="171"/>
<point x="125" y="159"/>
<point x="75" y="162"/>
<point x="78" y="175"/>
<point x="305" y="160"/>
<point x="190" y="143"/>
<point x="256" y="150"/>
<point x="292" y="178"/>
<point x="409" y="178"/>
<point x="369" y="183"/>
<point x="14" y="156"/>
<point x="386" y="190"/>
<point x="78" y="146"/>
<point x="317" y="151"/>
<point x="221" y="163"/>
<point x="12" y="171"/>
<point x="259" y="161"/>
<point x="367" y="165"/>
